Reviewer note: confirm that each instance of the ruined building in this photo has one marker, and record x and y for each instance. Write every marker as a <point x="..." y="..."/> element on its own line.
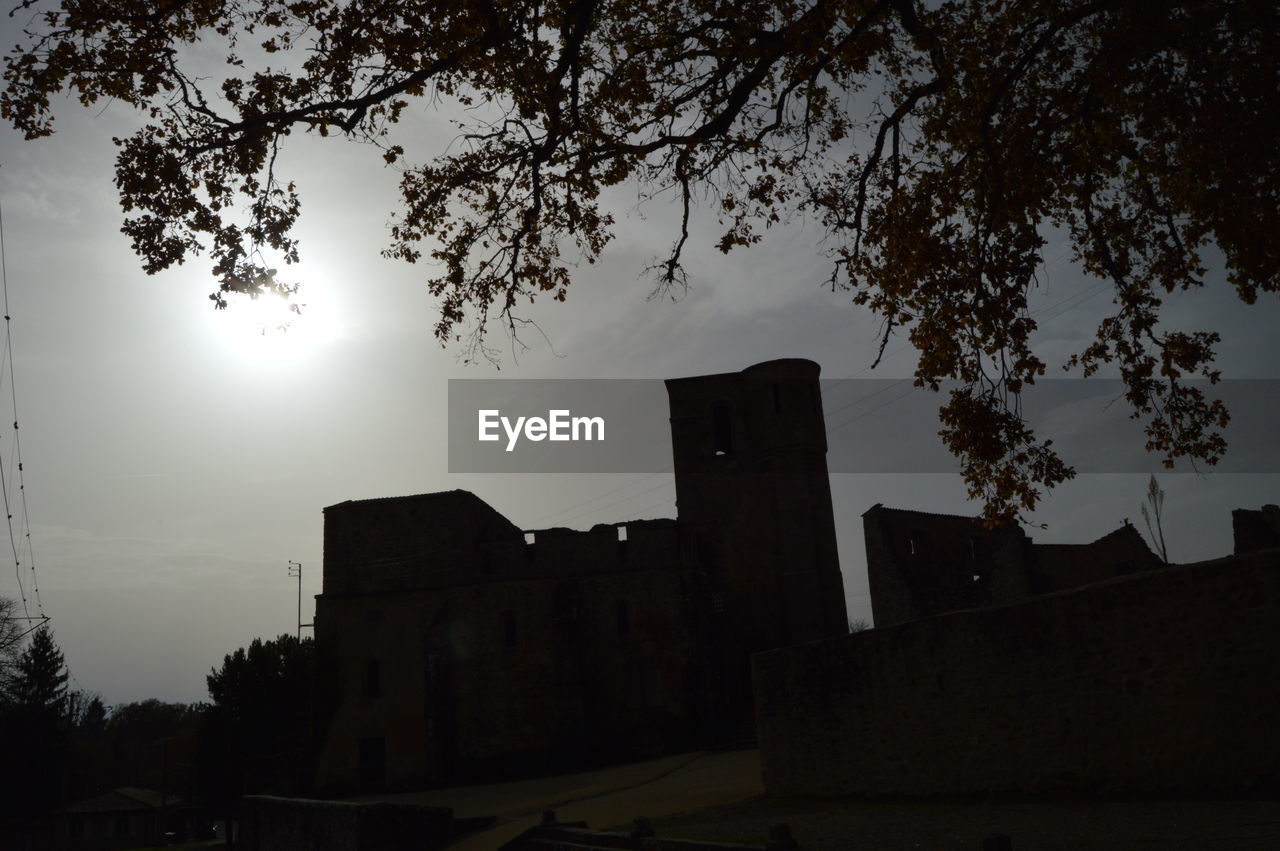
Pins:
<point x="1083" y="670"/>
<point x="921" y="564"/>
<point x="1256" y="530"/>
<point x="459" y="647"/>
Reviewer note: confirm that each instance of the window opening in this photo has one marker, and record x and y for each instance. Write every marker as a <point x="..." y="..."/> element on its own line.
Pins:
<point x="721" y="429"/>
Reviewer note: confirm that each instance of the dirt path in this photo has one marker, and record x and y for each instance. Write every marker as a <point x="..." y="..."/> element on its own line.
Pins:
<point x="826" y="825"/>
<point x="718" y="796"/>
<point x="608" y="797"/>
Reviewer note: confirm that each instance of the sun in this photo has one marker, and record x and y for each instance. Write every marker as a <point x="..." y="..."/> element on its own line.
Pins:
<point x="273" y="329"/>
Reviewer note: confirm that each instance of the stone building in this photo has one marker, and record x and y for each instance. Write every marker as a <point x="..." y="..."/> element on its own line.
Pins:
<point x="921" y="564"/>
<point x="1255" y="530"/>
<point x="459" y="647"/>
<point x="1134" y="678"/>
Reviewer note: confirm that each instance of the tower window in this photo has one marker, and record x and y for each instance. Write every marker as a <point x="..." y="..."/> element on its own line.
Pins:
<point x="509" y="629"/>
<point x="721" y="429"/>
<point x="777" y="398"/>
<point x="373" y="679"/>
<point x="624" y="619"/>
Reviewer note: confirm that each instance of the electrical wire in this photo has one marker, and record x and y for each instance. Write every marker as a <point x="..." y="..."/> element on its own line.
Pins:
<point x="23" y="544"/>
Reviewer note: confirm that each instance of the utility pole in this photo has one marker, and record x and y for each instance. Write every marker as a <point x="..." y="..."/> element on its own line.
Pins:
<point x="295" y="569"/>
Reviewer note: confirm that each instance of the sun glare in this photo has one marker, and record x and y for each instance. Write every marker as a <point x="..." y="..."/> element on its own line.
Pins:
<point x="271" y="329"/>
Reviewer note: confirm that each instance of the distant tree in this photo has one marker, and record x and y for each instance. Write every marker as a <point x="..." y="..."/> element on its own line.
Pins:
<point x="12" y="631"/>
<point x="261" y="702"/>
<point x="858" y="625"/>
<point x="156" y="745"/>
<point x="265" y="689"/>
<point x="34" y="727"/>
<point x="38" y="686"/>
<point x="1155" y="499"/>
<point x="88" y="713"/>
<point x="148" y="720"/>
<point x="936" y="146"/>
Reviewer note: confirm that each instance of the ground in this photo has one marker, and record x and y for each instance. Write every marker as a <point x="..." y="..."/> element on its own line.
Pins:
<point x="719" y="796"/>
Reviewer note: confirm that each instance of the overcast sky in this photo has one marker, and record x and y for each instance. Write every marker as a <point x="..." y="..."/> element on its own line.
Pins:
<point x="175" y="460"/>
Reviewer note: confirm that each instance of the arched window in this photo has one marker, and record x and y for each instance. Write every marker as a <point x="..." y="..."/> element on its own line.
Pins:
<point x="373" y="679"/>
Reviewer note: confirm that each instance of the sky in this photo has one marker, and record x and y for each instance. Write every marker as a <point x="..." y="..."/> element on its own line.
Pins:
<point x="175" y="460"/>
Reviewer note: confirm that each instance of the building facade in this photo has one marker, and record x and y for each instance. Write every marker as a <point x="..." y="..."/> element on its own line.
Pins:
<point x="921" y="564"/>
<point x="455" y="646"/>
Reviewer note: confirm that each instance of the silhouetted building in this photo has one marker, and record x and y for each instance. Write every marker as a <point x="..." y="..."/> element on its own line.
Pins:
<point x="127" y="817"/>
<point x="459" y="647"/>
<point x="1256" y="530"/>
<point x="921" y="564"/>
<point x="1133" y="677"/>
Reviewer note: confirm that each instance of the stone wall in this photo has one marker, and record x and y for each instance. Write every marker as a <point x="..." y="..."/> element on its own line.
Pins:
<point x="1162" y="682"/>
<point x="594" y="655"/>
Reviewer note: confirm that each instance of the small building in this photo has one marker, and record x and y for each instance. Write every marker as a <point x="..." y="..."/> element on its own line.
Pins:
<point x="127" y="817"/>
<point x="456" y="646"/>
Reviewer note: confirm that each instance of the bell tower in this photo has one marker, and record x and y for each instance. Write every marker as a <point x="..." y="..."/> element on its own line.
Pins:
<point x="750" y="465"/>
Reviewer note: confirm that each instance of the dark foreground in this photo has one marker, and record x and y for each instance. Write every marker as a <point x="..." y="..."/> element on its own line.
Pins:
<point x="819" y="825"/>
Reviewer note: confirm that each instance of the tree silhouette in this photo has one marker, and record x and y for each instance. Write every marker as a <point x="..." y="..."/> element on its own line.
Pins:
<point x="33" y="727"/>
<point x="12" y="631"/>
<point x="38" y="687"/>
<point x="261" y="700"/>
<point x="938" y="146"/>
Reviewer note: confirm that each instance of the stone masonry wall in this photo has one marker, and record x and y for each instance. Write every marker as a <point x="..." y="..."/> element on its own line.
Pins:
<point x="1166" y="681"/>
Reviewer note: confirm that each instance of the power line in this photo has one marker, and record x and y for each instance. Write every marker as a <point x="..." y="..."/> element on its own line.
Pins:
<point x="588" y="513"/>
<point x="7" y="478"/>
<point x="599" y="497"/>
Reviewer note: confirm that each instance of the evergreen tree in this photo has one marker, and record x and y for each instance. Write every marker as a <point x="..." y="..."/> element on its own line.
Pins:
<point x="33" y="729"/>
<point x="38" y="687"/>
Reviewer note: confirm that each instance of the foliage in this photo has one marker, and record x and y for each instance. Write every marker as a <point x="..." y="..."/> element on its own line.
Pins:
<point x="86" y="713"/>
<point x="33" y="727"/>
<point x="38" y="687"/>
<point x="147" y="721"/>
<point x="11" y="634"/>
<point x="261" y="702"/>
<point x="937" y="144"/>
<point x="265" y="688"/>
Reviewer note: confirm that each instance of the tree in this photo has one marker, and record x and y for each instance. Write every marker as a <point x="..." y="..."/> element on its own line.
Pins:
<point x="38" y="686"/>
<point x="261" y="698"/>
<point x="12" y="632"/>
<point x="939" y="145"/>
<point x="88" y="713"/>
<point x="33" y="727"/>
<point x="1155" y="498"/>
